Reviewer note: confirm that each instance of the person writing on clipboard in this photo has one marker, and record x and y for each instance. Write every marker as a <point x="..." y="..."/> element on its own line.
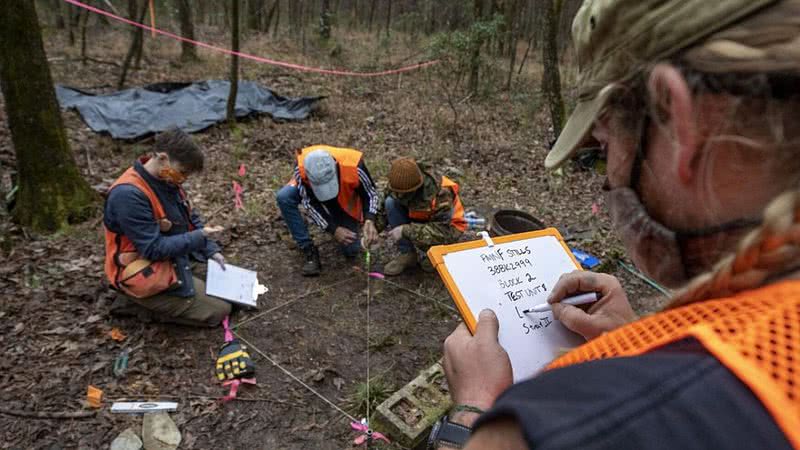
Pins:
<point x="151" y="233"/>
<point x="697" y="107"/>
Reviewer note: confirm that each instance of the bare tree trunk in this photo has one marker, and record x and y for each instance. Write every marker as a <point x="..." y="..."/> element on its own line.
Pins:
<point x="188" y="50"/>
<point x="388" y="17"/>
<point x="227" y="14"/>
<point x="52" y="193"/>
<point x="270" y="15"/>
<point x="253" y="14"/>
<point x="137" y="36"/>
<point x="277" y="18"/>
<point x="66" y="9"/>
<point x="477" y="11"/>
<point x="551" y="79"/>
<point x="301" y="17"/>
<point x="84" y="19"/>
<point x="325" y="20"/>
<point x="295" y="18"/>
<point x="132" y="9"/>
<point x="355" y="18"/>
<point x="140" y="43"/>
<point x="371" y="14"/>
<point x="431" y="24"/>
<point x="57" y="10"/>
<point x="234" y="78"/>
<point x="200" y="17"/>
<point x="511" y="46"/>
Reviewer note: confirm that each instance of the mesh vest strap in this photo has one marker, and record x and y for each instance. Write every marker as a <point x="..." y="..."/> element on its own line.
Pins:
<point x="756" y="334"/>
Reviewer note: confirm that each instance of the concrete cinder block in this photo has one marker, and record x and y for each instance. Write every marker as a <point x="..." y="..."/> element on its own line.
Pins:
<point x="408" y="415"/>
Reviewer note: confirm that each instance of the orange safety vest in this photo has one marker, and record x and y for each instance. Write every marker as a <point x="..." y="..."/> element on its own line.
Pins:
<point x="347" y="160"/>
<point x="755" y="334"/>
<point x="458" y="221"/>
<point x="125" y="269"/>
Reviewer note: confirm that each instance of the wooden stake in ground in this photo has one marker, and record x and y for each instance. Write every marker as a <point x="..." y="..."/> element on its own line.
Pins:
<point x="52" y="193"/>
<point x="231" y="111"/>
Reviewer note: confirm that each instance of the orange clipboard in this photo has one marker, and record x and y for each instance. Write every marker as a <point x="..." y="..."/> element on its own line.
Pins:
<point x="436" y="256"/>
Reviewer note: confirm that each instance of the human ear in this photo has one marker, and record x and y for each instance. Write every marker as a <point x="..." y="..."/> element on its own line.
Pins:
<point x="674" y="108"/>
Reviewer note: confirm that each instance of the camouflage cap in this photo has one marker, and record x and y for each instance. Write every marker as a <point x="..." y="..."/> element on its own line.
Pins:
<point x="617" y="39"/>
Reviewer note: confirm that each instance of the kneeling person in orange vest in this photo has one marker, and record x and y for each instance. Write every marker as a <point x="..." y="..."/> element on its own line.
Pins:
<point x="151" y="232"/>
<point x="421" y="210"/>
<point x="336" y="189"/>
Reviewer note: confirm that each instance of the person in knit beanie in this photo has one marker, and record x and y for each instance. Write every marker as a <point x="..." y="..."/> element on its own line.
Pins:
<point x="420" y="210"/>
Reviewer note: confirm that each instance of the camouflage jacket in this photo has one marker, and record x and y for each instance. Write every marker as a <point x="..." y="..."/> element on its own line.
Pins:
<point x="436" y="231"/>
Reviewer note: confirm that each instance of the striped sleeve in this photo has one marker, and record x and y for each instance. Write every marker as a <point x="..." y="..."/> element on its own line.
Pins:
<point x="316" y="216"/>
<point x="372" y="193"/>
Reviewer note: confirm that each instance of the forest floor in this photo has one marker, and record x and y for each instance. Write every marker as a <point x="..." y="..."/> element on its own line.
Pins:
<point x="55" y="325"/>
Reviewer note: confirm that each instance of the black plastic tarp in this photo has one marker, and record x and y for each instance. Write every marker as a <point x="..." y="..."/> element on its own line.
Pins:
<point x="133" y="113"/>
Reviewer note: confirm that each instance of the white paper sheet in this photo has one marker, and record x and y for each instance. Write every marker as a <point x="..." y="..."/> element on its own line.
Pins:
<point x="235" y="284"/>
<point x="511" y="278"/>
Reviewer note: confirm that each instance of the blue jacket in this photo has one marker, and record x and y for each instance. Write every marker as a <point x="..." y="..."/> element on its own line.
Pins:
<point x="128" y="211"/>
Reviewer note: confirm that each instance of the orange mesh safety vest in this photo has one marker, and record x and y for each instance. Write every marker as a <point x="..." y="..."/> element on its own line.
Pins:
<point x="348" y="160"/>
<point x="755" y="334"/>
<point x="458" y="221"/>
<point x="125" y="269"/>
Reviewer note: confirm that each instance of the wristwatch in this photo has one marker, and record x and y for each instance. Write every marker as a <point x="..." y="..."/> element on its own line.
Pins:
<point x="448" y="434"/>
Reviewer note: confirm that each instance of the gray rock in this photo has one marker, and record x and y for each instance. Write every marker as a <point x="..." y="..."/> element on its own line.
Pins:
<point x="127" y="440"/>
<point x="159" y="432"/>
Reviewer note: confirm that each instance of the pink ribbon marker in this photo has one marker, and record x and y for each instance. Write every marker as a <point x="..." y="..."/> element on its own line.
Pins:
<point x="226" y="326"/>
<point x="364" y="429"/>
<point x="237" y="192"/>
<point x="377" y="275"/>
<point x="242" y="170"/>
<point x="234" y="384"/>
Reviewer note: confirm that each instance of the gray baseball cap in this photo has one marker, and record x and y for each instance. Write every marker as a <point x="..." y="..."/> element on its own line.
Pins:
<point x="320" y="170"/>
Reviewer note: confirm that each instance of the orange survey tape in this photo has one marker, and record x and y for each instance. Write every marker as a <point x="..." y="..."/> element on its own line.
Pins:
<point x="273" y="62"/>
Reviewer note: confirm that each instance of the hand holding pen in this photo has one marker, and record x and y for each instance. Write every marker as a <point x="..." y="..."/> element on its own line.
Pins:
<point x="610" y="311"/>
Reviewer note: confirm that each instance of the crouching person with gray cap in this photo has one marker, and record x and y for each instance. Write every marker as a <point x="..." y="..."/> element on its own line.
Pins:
<point x="336" y="189"/>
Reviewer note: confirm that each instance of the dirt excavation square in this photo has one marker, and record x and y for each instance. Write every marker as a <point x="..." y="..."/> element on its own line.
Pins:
<point x="321" y="338"/>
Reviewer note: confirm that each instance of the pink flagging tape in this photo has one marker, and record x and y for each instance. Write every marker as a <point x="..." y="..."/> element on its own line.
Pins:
<point x="237" y="192"/>
<point x="366" y="434"/>
<point x="273" y="62"/>
<point x="226" y="322"/>
<point x="234" y="384"/>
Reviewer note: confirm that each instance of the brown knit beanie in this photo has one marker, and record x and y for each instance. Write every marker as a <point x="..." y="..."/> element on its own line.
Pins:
<point x="404" y="175"/>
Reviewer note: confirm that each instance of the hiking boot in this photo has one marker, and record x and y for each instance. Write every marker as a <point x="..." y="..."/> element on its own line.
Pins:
<point x="312" y="266"/>
<point x="400" y="263"/>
